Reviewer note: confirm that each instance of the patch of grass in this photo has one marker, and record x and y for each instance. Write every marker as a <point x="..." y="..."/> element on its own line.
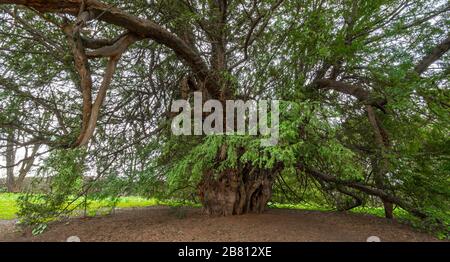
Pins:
<point x="301" y="206"/>
<point x="177" y="203"/>
<point x="375" y="211"/>
<point x="132" y="201"/>
<point x="8" y="206"/>
<point x="399" y="213"/>
<point x="105" y="206"/>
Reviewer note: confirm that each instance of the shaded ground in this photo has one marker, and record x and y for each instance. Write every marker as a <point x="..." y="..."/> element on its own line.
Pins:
<point x="189" y="224"/>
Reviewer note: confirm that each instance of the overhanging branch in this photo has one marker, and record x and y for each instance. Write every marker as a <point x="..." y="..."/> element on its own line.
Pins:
<point x="435" y="54"/>
<point x="141" y="27"/>
<point x="353" y="90"/>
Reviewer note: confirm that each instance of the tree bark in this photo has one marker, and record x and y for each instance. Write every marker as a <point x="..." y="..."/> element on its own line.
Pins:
<point x="27" y="164"/>
<point x="381" y="165"/>
<point x="10" y="162"/>
<point x="235" y="192"/>
<point x="14" y="184"/>
<point x="433" y="56"/>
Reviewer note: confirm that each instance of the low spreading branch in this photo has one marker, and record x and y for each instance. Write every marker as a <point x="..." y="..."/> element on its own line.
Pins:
<point x="363" y="188"/>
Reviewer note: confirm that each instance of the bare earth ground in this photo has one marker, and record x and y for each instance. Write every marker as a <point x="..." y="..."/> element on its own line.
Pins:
<point x="189" y="224"/>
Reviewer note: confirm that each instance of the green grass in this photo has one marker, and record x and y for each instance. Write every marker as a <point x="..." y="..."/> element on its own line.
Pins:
<point x="375" y="211"/>
<point x="302" y="206"/>
<point x="399" y="213"/>
<point x="8" y="207"/>
<point x="105" y="206"/>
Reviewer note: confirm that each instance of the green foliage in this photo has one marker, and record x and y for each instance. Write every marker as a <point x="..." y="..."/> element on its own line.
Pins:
<point x="291" y="147"/>
<point x="39" y="229"/>
<point x="65" y="167"/>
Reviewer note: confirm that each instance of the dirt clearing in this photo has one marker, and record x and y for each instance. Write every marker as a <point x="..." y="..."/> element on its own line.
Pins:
<point x="189" y="224"/>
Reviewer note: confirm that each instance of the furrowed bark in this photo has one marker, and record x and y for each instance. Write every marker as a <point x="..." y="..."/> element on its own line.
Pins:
<point x="235" y="192"/>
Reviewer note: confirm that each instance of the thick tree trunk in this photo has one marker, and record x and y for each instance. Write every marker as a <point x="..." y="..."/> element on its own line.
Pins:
<point x="235" y="192"/>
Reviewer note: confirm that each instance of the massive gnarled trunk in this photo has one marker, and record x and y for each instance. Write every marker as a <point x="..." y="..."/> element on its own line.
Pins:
<point x="235" y="192"/>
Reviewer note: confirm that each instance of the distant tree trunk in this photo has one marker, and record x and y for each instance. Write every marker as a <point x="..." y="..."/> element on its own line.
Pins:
<point x="15" y="184"/>
<point x="235" y="192"/>
<point x="388" y="209"/>
<point x="10" y="162"/>
<point x="25" y="168"/>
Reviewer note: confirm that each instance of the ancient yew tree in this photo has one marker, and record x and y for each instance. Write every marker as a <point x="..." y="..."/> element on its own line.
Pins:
<point x="362" y="85"/>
